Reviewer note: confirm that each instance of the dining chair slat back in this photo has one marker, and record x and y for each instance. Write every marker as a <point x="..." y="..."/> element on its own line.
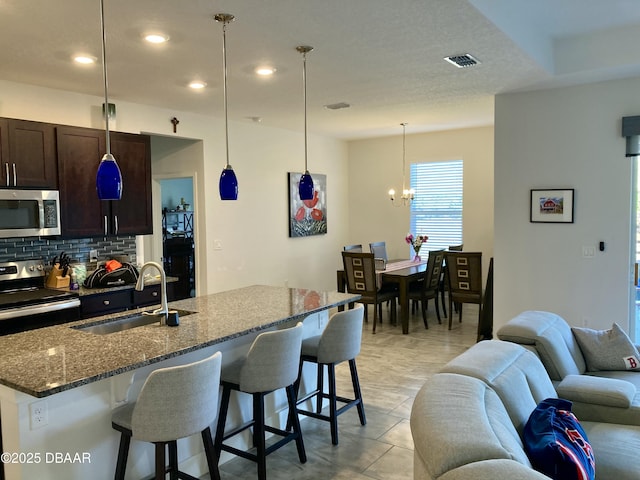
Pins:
<point x="429" y="286"/>
<point x="444" y="278"/>
<point x="360" y="272"/>
<point x="357" y="248"/>
<point x="464" y="270"/>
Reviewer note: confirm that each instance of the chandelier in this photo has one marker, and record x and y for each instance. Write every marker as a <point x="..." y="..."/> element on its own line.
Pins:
<point x="407" y="193"/>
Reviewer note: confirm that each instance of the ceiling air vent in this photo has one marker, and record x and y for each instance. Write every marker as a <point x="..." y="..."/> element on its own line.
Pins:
<point x="462" y="61"/>
<point x="337" y="106"/>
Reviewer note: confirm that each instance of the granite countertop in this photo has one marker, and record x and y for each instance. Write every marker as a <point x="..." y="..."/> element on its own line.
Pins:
<point x="49" y="360"/>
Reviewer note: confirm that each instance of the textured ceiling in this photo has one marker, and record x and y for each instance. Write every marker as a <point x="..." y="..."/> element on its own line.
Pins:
<point x="384" y="58"/>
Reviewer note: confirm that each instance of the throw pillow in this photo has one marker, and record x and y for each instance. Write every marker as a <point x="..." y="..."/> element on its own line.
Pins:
<point x="556" y="444"/>
<point x="607" y="349"/>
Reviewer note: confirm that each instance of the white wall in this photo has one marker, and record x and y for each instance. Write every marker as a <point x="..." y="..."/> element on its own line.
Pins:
<point x="254" y="230"/>
<point x="565" y="138"/>
<point x="175" y="190"/>
<point x="375" y="165"/>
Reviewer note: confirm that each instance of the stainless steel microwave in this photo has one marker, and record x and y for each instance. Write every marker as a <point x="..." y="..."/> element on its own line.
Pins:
<point x="29" y="213"/>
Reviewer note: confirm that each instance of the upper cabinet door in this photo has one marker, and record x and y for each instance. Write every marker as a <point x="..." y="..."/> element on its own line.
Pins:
<point x="31" y="158"/>
<point x="131" y="215"/>
<point x="83" y="214"/>
<point x="79" y="153"/>
<point x="4" y="153"/>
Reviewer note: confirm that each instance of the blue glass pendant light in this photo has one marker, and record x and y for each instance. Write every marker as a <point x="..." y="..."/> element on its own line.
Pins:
<point x="108" y="178"/>
<point x="228" y="182"/>
<point x="305" y="187"/>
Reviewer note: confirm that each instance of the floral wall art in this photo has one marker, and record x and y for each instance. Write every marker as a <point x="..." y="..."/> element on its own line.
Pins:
<point x="307" y="217"/>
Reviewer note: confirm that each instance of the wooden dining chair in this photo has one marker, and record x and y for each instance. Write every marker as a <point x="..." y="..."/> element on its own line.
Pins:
<point x="353" y="248"/>
<point x="360" y="271"/>
<point x="485" y="326"/>
<point x="428" y="287"/>
<point x="464" y="271"/>
<point x="444" y="279"/>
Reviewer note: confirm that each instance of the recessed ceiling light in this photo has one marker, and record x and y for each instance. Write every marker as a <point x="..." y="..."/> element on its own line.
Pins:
<point x="156" y="38"/>
<point x="84" y="59"/>
<point x="197" y="85"/>
<point x="265" y="71"/>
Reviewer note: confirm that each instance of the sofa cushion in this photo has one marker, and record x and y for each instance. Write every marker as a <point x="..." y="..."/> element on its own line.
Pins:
<point x="597" y="390"/>
<point x="456" y="420"/>
<point x="493" y="470"/>
<point x="553" y="339"/>
<point x="514" y="373"/>
<point x="607" y="349"/>
<point x="556" y="443"/>
<point x="616" y="449"/>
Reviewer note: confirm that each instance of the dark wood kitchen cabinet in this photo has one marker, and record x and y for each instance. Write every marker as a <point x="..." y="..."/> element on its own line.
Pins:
<point x="28" y="154"/>
<point x="83" y="214"/>
<point x="93" y="305"/>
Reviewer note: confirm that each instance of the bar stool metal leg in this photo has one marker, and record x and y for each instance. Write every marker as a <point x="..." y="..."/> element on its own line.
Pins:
<point x="356" y="391"/>
<point x="123" y="455"/>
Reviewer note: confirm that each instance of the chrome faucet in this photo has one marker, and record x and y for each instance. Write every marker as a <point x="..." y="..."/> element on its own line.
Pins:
<point x="164" y="307"/>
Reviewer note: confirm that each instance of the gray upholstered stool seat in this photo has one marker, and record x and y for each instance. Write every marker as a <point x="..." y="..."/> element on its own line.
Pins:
<point x="271" y="364"/>
<point x="175" y="402"/>
<point x="340" y="342"/>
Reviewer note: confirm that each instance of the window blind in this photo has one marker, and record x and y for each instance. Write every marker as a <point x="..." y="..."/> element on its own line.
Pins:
<point x="436" y="210"/>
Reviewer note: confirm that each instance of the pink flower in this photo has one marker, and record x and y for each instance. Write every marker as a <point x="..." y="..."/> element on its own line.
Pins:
<point x="416" y="242"/>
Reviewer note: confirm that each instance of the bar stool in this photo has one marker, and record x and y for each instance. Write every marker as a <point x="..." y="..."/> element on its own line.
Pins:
<point x="270" y="364"/>
<point x="339" y="342"/>
<point x="174" y="403"/>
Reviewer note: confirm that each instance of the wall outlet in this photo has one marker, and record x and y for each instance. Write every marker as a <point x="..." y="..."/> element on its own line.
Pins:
<point x="39" y="413"/>
<point x="217" y="244"/>
<point x="93" y="255"/>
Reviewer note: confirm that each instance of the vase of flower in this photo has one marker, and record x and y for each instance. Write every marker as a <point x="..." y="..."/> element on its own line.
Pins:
<point x="416" y="242"/>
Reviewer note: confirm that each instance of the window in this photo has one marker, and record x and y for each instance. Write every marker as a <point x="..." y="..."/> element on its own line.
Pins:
<point x="437" y="208"/>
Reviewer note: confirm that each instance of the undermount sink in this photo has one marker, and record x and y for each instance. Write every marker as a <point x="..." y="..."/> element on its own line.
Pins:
<point x="125" y="323"/>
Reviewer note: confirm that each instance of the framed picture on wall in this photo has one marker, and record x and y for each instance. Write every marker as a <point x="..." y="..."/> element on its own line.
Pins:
<point x="552" y="206"/>
<point x="307" y="217"/>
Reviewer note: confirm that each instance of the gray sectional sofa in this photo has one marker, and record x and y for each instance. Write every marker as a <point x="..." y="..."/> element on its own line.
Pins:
<point x="609" y="396"/>
<point x="467" y="421"/>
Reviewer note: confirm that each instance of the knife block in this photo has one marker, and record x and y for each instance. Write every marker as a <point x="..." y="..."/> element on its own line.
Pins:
<point x="56" y="280"/>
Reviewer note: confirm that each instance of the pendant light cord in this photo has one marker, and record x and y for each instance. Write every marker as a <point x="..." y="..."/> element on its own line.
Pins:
<point x="224" y="85"/>
<point x="104" y="75"/>
<point x="304" y="95"/>
<point x="404" y="165"/>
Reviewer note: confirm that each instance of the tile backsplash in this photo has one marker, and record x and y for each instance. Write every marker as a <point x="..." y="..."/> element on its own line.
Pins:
<point x="77" y="248"/>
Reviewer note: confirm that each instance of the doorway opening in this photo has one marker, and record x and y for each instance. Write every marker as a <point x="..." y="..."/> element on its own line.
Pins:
<point x="178" y="234"/>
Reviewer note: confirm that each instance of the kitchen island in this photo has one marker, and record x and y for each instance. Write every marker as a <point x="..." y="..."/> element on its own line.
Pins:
<point x="59" y="384"/>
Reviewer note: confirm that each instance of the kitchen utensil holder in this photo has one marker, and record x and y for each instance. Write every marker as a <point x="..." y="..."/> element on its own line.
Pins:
<point x="56" y="280"/>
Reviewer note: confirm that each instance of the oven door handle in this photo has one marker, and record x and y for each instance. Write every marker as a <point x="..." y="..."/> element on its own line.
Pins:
<point x="39" y="308"/>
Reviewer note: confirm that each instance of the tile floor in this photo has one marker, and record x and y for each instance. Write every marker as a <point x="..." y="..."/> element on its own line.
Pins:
<point x="392" y="368"/>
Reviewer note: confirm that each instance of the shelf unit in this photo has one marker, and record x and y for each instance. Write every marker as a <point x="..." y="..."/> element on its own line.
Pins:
<point x="178" y="221"/>
<point x="178" y="251"/>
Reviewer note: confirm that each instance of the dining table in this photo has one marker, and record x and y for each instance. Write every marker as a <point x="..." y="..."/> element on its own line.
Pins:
<point x="399" y="272"/>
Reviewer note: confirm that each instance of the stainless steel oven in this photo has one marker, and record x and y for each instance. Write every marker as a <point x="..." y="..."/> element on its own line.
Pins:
<point x="25" y="302"/>
<point x="29" y="213"/>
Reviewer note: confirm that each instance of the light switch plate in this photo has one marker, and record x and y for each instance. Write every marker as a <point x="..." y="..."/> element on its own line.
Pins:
<point x="588" y="252"/>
